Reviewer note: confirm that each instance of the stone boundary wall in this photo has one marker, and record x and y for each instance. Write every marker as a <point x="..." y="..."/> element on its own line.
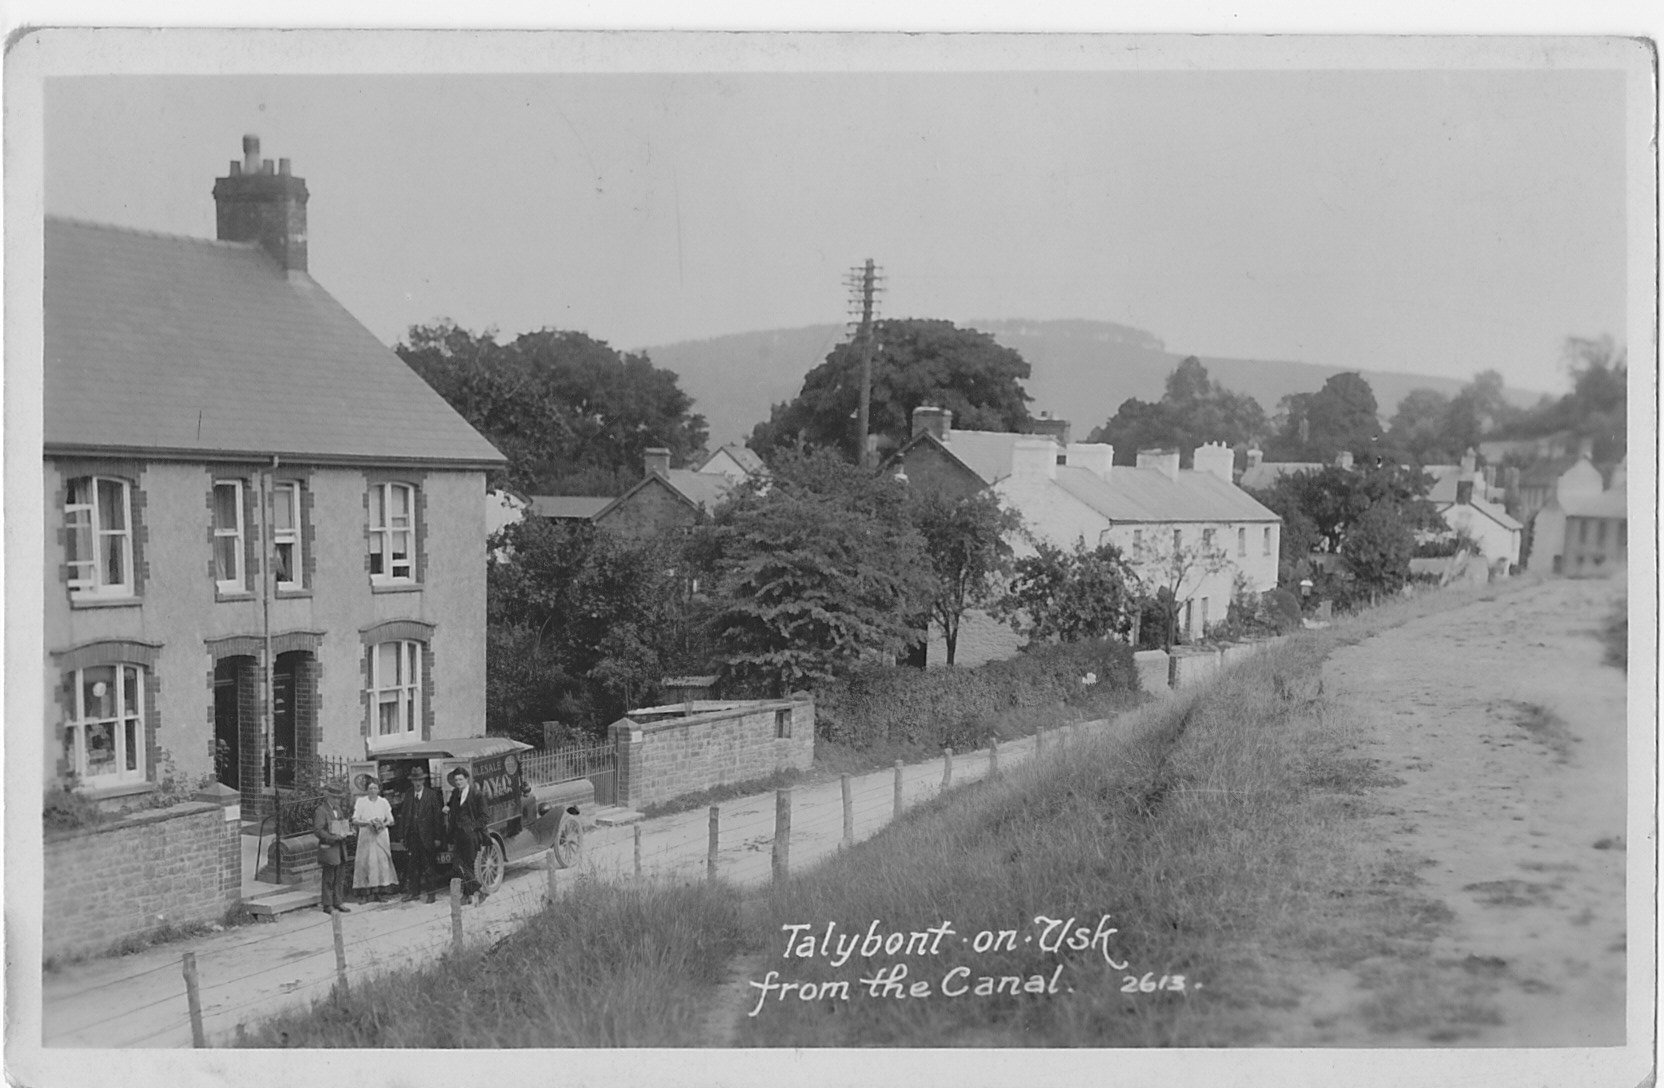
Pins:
<point x="717" y="744"/>
<point x="136" y="875"/>
<point x="1159" y="671"/>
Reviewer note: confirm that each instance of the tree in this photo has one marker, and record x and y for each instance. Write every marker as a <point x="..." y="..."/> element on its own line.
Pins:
<point x="1317" y="426"/>
<point x="966" y="542"/>
<point x="917" y="362"/>
<point x="1168" y="574"/>
<point x="1418" y="428"/>
<point x="1194" y="409"/>
<point x="1069" y="596"/>
<point x="579" y="624"/>
<point x="1377" y="551"/>
<point x="568" y="412"/>
<point x="813" y="570"/>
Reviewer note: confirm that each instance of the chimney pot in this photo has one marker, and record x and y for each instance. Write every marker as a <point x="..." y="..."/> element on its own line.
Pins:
<point x="657" y="461"/>
<point x="266" y="166"/>
<point x="251" y="154"/>
<point x="928" y="417"/>
<point x="283" y="167"/>
<point x="236" y="168"/>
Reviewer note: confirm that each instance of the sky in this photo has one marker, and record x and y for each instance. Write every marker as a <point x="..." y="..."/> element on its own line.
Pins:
<point x="1434" y="219"/>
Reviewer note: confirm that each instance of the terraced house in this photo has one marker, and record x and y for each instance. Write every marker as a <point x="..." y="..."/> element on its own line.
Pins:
<point x="265" y="534"/>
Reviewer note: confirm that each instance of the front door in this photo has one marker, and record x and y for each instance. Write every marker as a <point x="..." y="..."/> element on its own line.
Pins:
<point x="227" y="724"/>
<point x="284" y="749"/>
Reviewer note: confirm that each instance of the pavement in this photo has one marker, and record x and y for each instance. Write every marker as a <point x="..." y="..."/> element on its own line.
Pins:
<point x="250" y="972"/>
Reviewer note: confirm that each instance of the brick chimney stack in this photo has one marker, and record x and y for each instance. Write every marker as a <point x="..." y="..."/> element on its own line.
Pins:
<point x="1058" y="429"/>
<point x="1164" y="461"/>
<point x="255" y="203"/>
<point x="657" y="461"/>
<point x="938" y="421"/>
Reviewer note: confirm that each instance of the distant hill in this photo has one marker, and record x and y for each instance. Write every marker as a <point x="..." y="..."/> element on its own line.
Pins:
<point x="1081" y="371"/>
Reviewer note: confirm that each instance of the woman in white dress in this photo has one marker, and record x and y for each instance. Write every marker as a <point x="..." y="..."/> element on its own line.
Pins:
<point x="372" y="872"/>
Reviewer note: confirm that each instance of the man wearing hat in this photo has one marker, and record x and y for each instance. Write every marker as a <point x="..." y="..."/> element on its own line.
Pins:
<point x="465" y="812"/>
<point x="423" y="822"/>
<point x="329" y="823"/>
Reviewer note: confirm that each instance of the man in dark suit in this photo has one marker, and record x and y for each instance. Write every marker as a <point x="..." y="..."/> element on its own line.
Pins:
<point x="468" y="824"/>
<point x="423" y="823"/>
<point x="330" y="825"/>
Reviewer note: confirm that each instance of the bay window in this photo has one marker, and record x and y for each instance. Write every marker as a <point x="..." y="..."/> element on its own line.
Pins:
<point x="104" y="739"/>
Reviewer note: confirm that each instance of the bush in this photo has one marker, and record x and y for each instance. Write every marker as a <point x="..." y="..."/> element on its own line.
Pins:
<point x="879" y="704"/>
<point x="68" y="810"/>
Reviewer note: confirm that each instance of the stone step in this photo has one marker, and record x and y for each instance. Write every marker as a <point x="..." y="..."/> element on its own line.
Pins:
<point x="271" y="904"/>
<point x="612" y="816"/>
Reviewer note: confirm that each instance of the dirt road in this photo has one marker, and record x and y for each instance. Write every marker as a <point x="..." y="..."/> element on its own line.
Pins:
<point x="1508" y="734"/>
<point x="251" y="972"/>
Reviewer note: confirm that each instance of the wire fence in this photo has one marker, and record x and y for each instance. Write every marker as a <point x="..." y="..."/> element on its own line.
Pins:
<point x="209" y="998"/>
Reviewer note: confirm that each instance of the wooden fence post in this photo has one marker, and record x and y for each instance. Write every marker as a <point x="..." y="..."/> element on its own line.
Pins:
<point x="638" y="851"/>
<point x="782" y="832"/>
<point x="550" y="869"/>
<point x="898" y="789"/>
<point x="947" y="767"/>
<point x="710" y="856"/>
<point x="456" y="915"/>
<point x="849" y="813"/>
<point x="340" y="951"/>
<point x="194" y="999"/>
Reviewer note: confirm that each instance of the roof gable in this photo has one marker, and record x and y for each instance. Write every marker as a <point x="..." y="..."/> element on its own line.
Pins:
<point x="185" y="347"/>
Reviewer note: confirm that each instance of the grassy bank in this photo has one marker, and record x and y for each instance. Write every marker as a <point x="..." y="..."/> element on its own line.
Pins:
<point x="613" y="965"/>
<point x="1214" y="834"/>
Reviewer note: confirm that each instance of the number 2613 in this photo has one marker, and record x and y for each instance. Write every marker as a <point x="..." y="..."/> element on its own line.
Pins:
<point x="1150" y="983"/>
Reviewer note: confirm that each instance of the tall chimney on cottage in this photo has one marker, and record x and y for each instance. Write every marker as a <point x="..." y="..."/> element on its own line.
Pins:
<point x="1255" y="456"/>
<point x="255" y="203"/>
<point x="1164" y="461"/>
<point x="1058" y="429"/>
<point x="928" y="417"/>
<point x="1214" y="458"/>
<point x="656" y="462"/>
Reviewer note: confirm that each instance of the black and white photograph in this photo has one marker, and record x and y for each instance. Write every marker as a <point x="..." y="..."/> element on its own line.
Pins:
<point x="649" y="556"/>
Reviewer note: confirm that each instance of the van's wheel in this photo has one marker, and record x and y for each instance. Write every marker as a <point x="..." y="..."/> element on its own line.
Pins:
<point x="569" y="841"/>
<point x="489" y="865"/>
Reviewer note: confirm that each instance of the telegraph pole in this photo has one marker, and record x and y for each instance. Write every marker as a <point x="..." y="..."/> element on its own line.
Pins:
<point x="863" y="284"/>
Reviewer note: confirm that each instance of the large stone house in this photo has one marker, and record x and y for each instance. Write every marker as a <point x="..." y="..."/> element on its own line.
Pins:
<point x="1068" y="492"/>
<point x="1584" y="528"/>
<point x="265" y="534"/>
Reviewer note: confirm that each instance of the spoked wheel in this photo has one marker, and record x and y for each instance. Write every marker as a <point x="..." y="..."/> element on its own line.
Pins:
<point x="489" y="865"/>
<point x="569" y="841"/>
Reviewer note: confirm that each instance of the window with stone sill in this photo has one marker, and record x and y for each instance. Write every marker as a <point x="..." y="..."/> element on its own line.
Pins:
<point x="392" y="534"/>
<point x="98" y="519"/>
<point x="230" y="520"/>
<point x="104" y="738"/>
<point x="396" y="690"/>
<point x="288" y="562"/>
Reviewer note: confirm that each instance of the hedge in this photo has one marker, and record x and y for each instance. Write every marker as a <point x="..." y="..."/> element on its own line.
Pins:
<point x="957" y="706"/>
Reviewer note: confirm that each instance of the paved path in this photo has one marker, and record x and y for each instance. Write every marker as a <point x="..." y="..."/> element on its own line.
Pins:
<point x="253" y="971"/>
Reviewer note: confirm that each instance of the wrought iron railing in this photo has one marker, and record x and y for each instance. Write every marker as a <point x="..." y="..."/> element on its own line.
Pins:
<point x="566" y="764"/>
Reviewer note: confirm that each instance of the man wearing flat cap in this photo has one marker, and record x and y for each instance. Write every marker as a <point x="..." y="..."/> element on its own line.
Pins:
<point x="329" y="823"/>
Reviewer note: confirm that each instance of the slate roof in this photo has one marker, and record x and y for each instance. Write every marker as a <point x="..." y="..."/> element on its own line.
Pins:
<point x="986" y="453"/>
<point x="1147" y="495"/>
<point x="1490" y="510"/>
<point x="166" y="346"/>
<point x="743" y="456"/>
<point x="704" y="489"/>
<point x="1612" y="503"/>
<point x="583" y="507"/>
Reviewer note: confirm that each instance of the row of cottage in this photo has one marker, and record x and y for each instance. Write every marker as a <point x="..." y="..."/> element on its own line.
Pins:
<point x="261" y="513"/>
